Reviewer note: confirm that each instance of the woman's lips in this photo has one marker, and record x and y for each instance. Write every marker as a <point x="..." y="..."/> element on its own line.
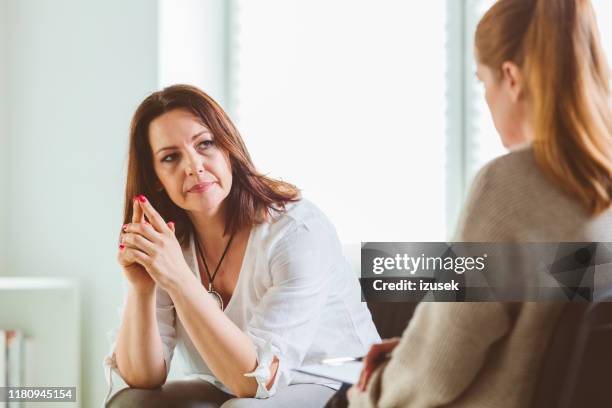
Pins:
<point x="201" y="187"/>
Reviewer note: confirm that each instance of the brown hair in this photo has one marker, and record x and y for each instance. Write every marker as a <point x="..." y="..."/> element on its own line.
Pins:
<point x="556" y="44"/>
<point x="252" y="196"/>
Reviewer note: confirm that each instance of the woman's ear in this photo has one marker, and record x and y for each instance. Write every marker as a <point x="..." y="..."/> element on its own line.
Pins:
<point x="513" y="80"/>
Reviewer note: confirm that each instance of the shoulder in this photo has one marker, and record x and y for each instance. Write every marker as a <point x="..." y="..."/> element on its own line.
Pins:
<point x="504" y="192"/>
<point x="510" y="171"/>
<point x="512" y="199"/>
<point x="297" y="243"/>
<point x="302" y="214"/>
<point x="505" y="181"/>
<point x="301" y="228"/>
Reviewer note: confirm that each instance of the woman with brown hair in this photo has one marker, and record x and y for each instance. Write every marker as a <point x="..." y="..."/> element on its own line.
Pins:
<point x="547" y="87"/>
<point x="238" y="271"/>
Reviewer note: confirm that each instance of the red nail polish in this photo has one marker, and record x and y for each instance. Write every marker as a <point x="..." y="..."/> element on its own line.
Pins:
<point x="171" y="224"/>
<point x="121" y="247"/>
<point x="142" y="199"/>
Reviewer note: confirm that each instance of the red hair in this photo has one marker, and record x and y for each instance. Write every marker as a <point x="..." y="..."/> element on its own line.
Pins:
<point x="252" y="196"/>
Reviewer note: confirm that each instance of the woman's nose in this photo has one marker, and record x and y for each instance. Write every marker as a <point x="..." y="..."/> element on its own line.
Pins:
<point x="192" y="171"/>
<point x="195" y="165"/>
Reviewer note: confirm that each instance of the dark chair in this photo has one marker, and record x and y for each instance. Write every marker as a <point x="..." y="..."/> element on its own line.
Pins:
<point x="577" y="367"/>
<point x="555" y="364"/>
<point x="391" y="319"/>
<point x="589" y="375"/>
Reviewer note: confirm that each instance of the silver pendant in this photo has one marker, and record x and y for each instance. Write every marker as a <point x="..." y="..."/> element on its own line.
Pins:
<point x="216" y="296"/>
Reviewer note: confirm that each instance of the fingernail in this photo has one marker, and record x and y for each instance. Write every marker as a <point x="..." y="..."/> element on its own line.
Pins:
<point x="121" y="247"/>
<point x="135" y="199"/>
<point x="142" y="199"/>
<point x="171" y="224"/>
<point x="124" y="227"/>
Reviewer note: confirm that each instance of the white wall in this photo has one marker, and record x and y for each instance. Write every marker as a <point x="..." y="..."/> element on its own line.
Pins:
<point x="192" y="45"/>
<point x="76" y="71"/>
<point x="3" y="139"/>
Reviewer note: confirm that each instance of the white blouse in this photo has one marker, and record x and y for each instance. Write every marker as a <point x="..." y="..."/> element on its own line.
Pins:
<point x="296" y="298"/>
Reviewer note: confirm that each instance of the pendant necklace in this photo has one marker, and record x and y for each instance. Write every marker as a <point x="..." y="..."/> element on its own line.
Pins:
<point x="211" y="289"/>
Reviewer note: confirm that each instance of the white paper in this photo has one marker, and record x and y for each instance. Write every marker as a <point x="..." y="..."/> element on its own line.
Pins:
<point x="347" y="372"/>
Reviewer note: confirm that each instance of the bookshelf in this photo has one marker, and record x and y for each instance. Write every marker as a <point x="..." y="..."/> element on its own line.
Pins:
<point x="46" y="311"/>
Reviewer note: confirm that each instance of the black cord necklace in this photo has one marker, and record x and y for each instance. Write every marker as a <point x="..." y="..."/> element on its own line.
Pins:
<point x="211" y="289"/>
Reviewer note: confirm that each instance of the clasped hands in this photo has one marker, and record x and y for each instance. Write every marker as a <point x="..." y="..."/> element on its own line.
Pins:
<point x="149" y="252"/>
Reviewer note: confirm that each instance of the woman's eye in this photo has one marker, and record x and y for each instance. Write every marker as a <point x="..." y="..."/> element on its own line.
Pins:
<point x="205" y="144"/>
<point x="169" y="158"/>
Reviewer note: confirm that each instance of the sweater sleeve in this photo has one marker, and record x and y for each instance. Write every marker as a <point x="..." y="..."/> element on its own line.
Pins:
<point x="439" y="354"/>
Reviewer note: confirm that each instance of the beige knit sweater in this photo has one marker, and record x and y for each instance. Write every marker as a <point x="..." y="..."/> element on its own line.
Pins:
<point x="486" y="354"/>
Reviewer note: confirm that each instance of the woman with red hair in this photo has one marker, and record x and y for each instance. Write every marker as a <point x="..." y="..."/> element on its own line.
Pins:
<point x="239" y="272"/>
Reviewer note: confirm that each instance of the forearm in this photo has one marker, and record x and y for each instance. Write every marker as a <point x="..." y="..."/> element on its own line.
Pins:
<point x="227" y="351"/>
<point x="139" y="351"/>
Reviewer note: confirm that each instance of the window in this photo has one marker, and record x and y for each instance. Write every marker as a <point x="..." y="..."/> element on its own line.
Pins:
<point x="603" y="10"/>
<point x="348" y="101"/>
<point x="372" y="108"/>
<point x="482" y="140"/>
